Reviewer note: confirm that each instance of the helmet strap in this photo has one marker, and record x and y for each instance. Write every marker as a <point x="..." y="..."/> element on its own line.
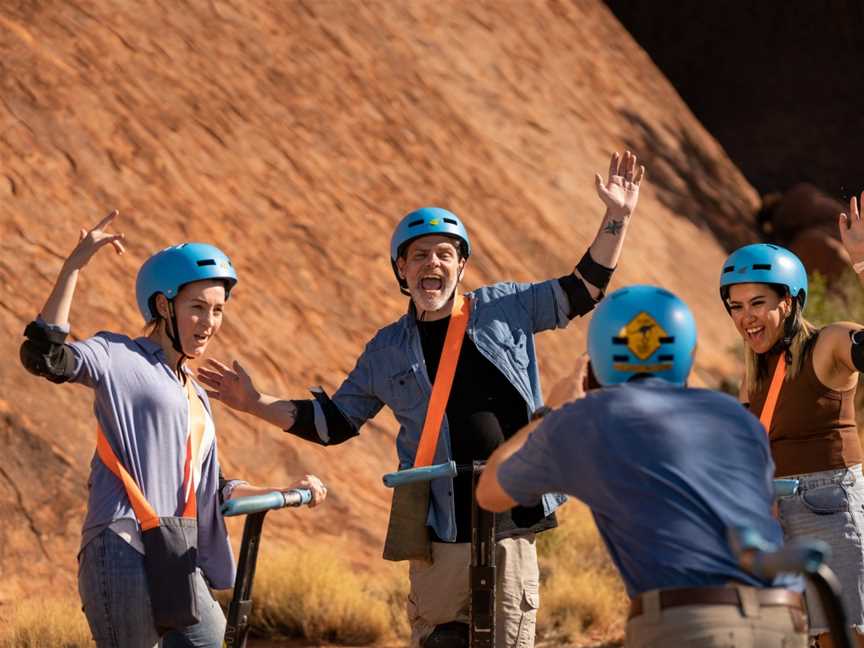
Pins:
<point x="790" y="330"/>
<point x="172" y="330"/>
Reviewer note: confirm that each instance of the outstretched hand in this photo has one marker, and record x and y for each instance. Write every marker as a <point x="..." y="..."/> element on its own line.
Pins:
<point x="852" y="233"/>
<point x="620" y="192"/>
<point x="90" y="241"/>
<point x="231" y="386"/>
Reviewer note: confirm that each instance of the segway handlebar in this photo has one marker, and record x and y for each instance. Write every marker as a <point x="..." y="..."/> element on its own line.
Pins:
<point x="267" y="502"/>
<point x="424" y="473"/>
<point x="763" y="559"/>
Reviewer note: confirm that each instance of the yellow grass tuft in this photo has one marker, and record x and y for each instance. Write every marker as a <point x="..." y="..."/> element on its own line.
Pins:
<point x="581" y="592"/>
<point x="46" y="623"/>
<point x="312" y="593"/>
<point x="317" y="595"/>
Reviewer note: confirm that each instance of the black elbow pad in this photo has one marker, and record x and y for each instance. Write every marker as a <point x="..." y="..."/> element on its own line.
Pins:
<point x="44" y="354"/>
<point x="580" y="299"/>
<point x="339" y="427"/>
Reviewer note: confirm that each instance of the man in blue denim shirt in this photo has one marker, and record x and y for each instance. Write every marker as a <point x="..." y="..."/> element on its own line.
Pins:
<point x="496" y="380"/>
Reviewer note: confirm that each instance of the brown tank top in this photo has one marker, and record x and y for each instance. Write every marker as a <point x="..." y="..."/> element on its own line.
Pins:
<point x="814" y="427"/>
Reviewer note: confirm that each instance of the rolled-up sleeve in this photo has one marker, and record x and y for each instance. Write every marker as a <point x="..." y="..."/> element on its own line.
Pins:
<point x="91" y="360"/>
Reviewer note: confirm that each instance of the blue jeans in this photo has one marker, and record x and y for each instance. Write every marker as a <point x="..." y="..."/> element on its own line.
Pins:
<point x="829" y="506"/>
<point x="113" y="591"/>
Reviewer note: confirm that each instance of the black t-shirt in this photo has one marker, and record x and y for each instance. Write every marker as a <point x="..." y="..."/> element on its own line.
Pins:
<point x="478" y="388"/>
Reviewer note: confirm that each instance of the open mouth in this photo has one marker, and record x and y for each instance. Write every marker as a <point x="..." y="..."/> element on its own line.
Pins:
<point x="755" y="334"/>
<point x="431" y="283"/>
<point x="201" y="339"/>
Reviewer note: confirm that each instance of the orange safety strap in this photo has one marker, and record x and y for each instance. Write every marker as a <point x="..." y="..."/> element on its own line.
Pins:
<point x="767" y="414"/>
<point x="144" y="512"/>
<point x="443" y="381"/>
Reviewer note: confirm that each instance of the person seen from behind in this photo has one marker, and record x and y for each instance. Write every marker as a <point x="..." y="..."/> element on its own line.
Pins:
<point x="666" y="471"/>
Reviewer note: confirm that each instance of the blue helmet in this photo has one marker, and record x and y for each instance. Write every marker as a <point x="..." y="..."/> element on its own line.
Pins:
<point x="170" y="269"/>
<point x="421" y="222"/>
<point x="767" y="264"/>
<point x="641" y="330"/>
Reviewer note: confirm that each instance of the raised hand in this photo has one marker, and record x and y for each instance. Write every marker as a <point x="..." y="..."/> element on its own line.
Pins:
<point x="852" y="234"/>
<point x="90" y="241"/>
<point x="231" y="386"/>
<point x="620" y="192"/>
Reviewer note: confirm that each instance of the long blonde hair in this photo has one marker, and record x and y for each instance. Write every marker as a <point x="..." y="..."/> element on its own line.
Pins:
<point x="756" y="365"/>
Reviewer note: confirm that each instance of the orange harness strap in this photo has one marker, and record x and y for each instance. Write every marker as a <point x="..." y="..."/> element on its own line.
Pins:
<point x="767" y="414"/>
<point x="144" y="512"/>
<point x="443" y="381"/>
<point x="147" y="517"/>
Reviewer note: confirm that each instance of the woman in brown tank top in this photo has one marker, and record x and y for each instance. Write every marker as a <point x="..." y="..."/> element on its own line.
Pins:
<point x="811" y="420"/>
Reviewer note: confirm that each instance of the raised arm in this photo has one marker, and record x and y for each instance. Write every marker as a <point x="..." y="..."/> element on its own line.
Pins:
<point x="839" y="352"/>
<point x="56" y="309"/>
<point x="44" y="352"/>
<point x="620" y="194"/>
<point x="852" y="236"/>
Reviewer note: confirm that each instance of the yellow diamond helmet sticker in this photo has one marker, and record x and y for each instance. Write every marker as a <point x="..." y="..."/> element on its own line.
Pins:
<point x="643" y="335"/>
<point x="434" y="221"/>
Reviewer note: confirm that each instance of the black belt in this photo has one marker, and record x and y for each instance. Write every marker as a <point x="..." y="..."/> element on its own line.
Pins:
<point x="669" y="598"/>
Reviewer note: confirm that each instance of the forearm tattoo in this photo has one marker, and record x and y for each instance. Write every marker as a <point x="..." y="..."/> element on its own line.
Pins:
<point x="613" y="227"/>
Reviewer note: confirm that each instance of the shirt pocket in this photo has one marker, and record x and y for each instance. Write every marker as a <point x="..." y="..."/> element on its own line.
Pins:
<point x="405" y="390"/>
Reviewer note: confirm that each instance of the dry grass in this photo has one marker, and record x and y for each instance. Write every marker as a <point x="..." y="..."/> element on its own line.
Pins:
<point x="317" y="595"/>
<point x="46" y="623"/>
<point x="581" y="594"/>
<point x="314" y="594"/>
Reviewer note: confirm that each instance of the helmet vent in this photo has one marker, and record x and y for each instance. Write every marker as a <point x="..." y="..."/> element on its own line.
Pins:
<point x="206" y="262"/>
<point x="667" y="340"/>
<point x="619" y="340"/>
<point x="620" y="358"/>
<point x="729" y="269"/>
<point x="761" y="266"/>
<point x="450" y="221"/>
<point x="415" y="223"/>
<point x="666" y="358"/>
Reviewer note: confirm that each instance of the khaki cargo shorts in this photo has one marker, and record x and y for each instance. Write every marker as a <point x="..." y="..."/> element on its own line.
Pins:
<point x="440" y="592"/>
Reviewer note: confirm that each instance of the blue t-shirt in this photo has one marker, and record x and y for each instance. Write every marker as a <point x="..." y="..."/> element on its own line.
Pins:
<point x="665" y="470"/>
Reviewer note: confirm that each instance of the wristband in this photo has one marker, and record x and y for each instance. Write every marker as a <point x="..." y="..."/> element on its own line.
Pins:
<point x="594" y="273"/>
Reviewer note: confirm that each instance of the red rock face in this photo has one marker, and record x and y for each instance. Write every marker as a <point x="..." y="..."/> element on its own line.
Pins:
<point x="779" y="86"/>
<point x="804" y="219"/>
<point x="294" y="136"/>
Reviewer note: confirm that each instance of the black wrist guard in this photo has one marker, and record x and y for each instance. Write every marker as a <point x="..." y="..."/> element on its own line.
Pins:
<point x="857" y="338"/>
<point x="44" y="354"/>
<point x="594" y="273"/>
